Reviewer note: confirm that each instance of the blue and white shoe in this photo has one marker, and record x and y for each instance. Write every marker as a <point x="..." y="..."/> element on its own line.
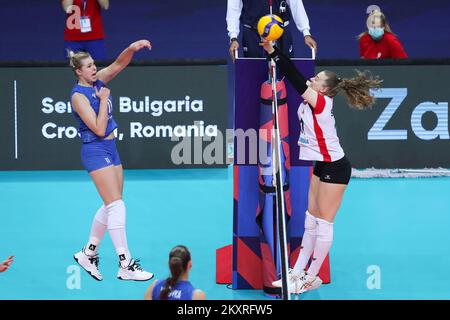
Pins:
<point x="133" y="271"/>
<point x="88" y="263"/>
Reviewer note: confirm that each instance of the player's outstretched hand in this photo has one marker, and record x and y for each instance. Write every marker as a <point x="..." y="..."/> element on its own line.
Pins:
<point x="267" y="45"/>
<point x="138" y="45"/>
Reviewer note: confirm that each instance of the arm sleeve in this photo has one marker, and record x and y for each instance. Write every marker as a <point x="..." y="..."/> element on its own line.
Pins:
<point x="396" y="49"/>
<point x="300" y="17"/>
<point x="362" y="47"/>
<point x="289" y="70"/>
<point x="234" y="9"/>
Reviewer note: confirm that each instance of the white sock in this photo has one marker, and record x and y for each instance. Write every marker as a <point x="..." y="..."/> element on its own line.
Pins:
<point x="116" y="227"/>
<point x="98" y="230"/>
<point x="308" y="242"/>
<point x="322" y="247"/>
<point x="119" y="238"/>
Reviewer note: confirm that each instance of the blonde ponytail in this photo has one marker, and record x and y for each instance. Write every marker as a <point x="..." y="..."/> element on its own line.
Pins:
<point x="76" y="58"/>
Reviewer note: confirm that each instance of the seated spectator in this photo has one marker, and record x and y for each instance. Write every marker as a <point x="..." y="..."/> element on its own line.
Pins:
<point x="378" y="42"/>
<point x="177" y="286"/>
<point x="5" y="264"/>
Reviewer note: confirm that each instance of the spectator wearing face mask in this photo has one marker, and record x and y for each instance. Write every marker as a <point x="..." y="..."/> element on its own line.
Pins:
<point x="378" y="42"/>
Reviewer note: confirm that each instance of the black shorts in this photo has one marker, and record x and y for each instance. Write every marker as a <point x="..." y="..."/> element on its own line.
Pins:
<point x="333" y="172"/>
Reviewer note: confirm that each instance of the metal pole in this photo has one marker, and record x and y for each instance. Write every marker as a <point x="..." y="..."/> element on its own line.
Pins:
<point x="278" y="182"/>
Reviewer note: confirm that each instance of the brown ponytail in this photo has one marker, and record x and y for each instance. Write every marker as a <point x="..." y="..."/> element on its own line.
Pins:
<point x="179" y="258"/>
<point x="357" y="89"/>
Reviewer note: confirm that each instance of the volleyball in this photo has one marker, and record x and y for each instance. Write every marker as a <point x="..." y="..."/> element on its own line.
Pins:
<point x="270" y="27"/>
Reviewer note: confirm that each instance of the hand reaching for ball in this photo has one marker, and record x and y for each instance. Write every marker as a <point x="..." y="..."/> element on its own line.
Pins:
<point x="267" y="45"/>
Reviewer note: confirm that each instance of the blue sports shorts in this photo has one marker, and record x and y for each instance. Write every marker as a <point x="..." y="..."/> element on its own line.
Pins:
<point x="99" y="154"/>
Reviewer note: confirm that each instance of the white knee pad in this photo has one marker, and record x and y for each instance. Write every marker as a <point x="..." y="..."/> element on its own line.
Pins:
<point x="116" y="215"/>
<point x="324" y="230"/>
<point x="102" y="216"/>
<point x="310" y="223"/>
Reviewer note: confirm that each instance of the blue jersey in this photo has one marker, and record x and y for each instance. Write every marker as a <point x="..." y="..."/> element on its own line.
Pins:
<point x="183" y="290"/>
<point x="89" y="92"/>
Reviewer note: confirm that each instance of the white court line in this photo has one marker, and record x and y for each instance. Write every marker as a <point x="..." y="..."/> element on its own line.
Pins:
<point x="15" y="119"/>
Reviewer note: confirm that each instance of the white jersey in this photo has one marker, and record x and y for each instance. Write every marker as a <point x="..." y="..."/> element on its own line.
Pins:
<point x="318" y="139"/>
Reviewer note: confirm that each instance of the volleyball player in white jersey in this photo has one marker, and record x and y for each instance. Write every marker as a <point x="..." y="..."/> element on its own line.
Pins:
<point x="319" y="142"/>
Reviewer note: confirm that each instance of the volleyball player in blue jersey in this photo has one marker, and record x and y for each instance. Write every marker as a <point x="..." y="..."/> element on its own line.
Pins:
<point x="177" y="286"/>
<point x="92" y="104"/>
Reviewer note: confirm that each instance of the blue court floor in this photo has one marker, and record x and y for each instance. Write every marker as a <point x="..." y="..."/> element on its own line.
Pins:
<point x="392" y="236"/>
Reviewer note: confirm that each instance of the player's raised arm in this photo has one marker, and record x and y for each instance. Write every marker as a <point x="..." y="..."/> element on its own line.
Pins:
<point x="292" y="74"/>
<point x="109" y="73"/>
